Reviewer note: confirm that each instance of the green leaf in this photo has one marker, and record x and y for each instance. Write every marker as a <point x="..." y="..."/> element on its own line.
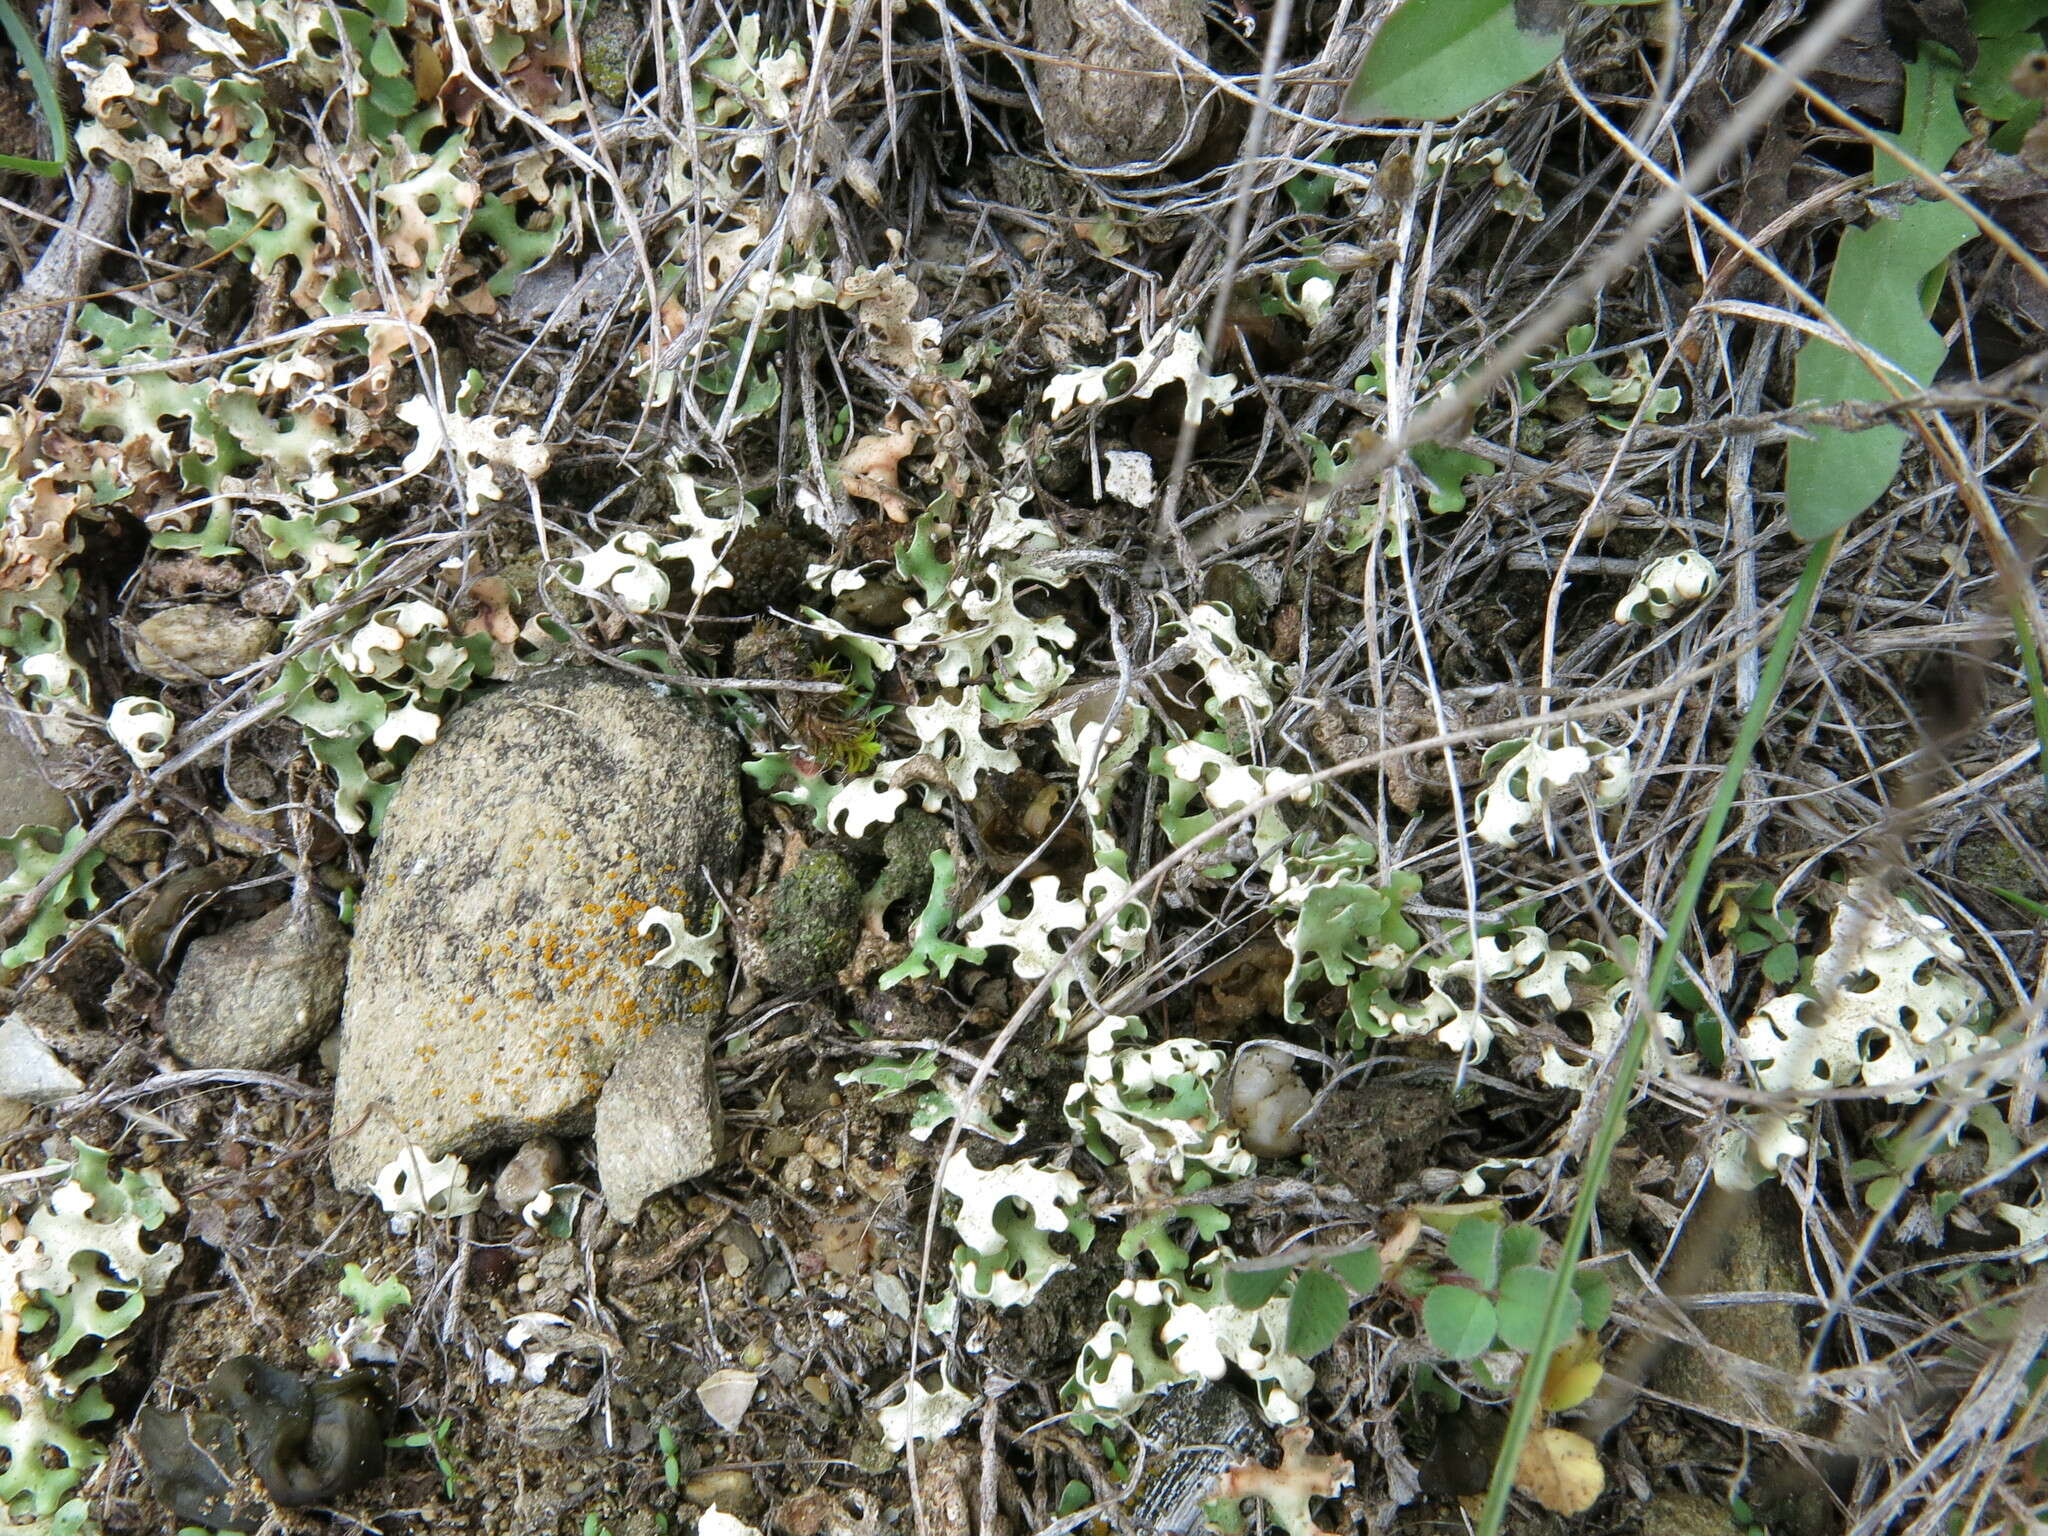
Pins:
<point x="1475" y="1248"/>
<point x="1311" y="191"/>
<point x="1875" y="292"/>
<point x="1519" y="1245"/>
<point x="1460" y="1323"/>
<point x="1781" y="965"/>
<point x="33" y="859"/>
<point x="1441" y="58"/>
<point x="1988" y="86"/>
<point x="919" y="561"/>
<point x="1523" y="1294"/>
<point x="1317" y="1314"/>
<point x="2026" y="904"/>
<point x="893" y="1077"/>
<point x="1360" y="1269"/>
<point x="1250" y="1289"/>
<point x="374" y="1300"/>
<point x="1596" y="1299"/>
<point x="930" y="952"/>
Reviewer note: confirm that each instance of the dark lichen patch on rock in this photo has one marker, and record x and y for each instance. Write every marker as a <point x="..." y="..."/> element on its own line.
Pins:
<point x="499" y="971"/>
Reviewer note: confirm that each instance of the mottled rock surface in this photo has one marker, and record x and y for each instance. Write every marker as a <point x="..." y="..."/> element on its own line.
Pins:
<point x="27" y="799"/>
<point x="259" y="994"/>
<point x="811" y="926"/>
<point x="202" y="639"/>
<point x="1127" y="96"/>
<point x="1755" y="1248"/>
<point x="498" y="974"/>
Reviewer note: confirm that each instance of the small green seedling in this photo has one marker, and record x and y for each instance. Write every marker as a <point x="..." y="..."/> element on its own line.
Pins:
<point x="435" y="1442"/>
<point x="671" y="1464"/>
<point x="1748" y="915"/>
<point x="362" y="1338"/>
<point x="1494" y="1292"/>
<point x="1324" y="1285"/>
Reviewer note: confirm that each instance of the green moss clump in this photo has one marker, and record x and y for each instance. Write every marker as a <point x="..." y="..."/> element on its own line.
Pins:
<point x="607" y="37"/>
<point x="908" y="845"/>
<point x="813" y="923"/>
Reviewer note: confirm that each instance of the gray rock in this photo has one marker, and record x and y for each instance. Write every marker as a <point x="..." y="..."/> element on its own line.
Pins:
<point x="549" y="1419"/>
<point x="29" y="1069"/>
<point x="260" y="994"/>
<point x="200" y="638"/>
<point x="1125" y="97"/>
<point x="537" y="1168"/>
<point x="658" y="1120"/>
<point x="498" y="973"/>
<point x="27" y="799"/>
<point x="1759" y="1351"/>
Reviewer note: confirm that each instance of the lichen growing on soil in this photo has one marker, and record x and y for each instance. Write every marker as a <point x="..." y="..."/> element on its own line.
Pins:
<point x="812" y="923"/>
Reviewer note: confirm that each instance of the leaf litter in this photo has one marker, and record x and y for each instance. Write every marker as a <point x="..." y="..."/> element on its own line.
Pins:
<point x="773" y="355"/>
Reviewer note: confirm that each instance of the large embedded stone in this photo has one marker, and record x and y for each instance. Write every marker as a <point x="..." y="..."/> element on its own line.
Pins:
<point x="657" y="1120"/>
<point x="499" y="972"/>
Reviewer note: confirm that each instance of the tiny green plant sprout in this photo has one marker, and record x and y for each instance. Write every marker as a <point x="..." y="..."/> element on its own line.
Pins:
<point x="436" y="1443"/>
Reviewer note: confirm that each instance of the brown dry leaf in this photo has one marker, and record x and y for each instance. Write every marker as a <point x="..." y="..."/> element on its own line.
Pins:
<point x="1561" y="1471"/>
<point x="37" y="535"/>
<point x="1401" y="1242"/>
<point x="493" y="615"/>
<point x="847" y="1244"/>
<point x="1288" y="1487"/>
<point x="871" y="468"/>
<point x="821" y="1512"/>
<point x="883" y="298"/>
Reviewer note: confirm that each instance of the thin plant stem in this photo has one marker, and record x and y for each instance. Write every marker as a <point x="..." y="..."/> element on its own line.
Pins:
<point x="1628" y="1064"/>
<point x="2037" y="687"/>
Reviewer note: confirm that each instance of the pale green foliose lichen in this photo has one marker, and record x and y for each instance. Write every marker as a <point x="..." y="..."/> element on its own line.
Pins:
<point x="73" y="1283"/>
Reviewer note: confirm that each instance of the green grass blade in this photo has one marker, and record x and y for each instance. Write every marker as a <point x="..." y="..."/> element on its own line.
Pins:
<point x="2037" y="686"/>
<point x="1563" y="1300"/>
<point x="46" y="97"/>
